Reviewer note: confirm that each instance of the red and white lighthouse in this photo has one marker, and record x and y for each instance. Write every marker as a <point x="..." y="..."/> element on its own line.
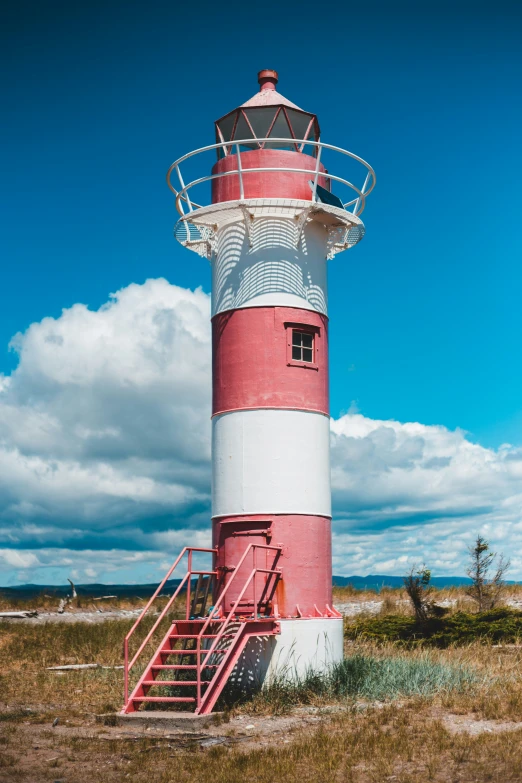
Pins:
<point x="270" y="414"/>
<point x="269" y="223"/>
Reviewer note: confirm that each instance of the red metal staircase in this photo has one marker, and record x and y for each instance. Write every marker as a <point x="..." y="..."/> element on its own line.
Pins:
<point x="197" y="655"/>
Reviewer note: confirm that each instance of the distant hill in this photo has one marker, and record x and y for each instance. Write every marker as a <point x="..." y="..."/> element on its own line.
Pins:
<point x="93" y="590"/>
<point x="370" y="582"/>
<point x="378" y="581"/>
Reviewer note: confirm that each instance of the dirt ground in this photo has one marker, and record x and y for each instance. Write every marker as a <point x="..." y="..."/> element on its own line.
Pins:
<point x="34" y="750"/>
<point x="62" y="727"/>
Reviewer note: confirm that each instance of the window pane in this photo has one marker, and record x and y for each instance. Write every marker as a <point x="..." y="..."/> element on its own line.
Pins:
<point x="280" y="130"/>
<point x="242" y="130"/>
<point x="307" y="340"/>
<point x="226" y="125"/>
<point x="300" y="122"/>
<point x="261" y="119"/>
<point x="307" y="354"/>
<point x="297" y="338"/>
<point x="296" y="353"/>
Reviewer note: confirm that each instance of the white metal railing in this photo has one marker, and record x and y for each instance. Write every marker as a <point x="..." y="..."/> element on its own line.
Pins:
<point x="182" y="191"/>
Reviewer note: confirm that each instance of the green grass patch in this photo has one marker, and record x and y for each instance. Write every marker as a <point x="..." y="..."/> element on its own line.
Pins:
<point x="494" y="626"/>
<point x="359" y="677"/>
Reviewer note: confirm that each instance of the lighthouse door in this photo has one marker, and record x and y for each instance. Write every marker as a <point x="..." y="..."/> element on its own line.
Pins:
<point x="237" y="538"/>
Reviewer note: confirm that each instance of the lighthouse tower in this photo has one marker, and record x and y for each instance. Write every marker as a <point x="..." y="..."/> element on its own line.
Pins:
<point x="271" y="217"/>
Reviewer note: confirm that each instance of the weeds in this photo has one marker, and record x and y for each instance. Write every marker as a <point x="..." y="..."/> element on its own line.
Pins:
<point x="404" y="738"/>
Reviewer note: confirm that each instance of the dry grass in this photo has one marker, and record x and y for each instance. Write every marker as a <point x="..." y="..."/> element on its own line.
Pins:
<point x="400" y="741"/>
<point x="82" y="603"/>
<point x="395" y="600"/>
<point x="27" y="649"/>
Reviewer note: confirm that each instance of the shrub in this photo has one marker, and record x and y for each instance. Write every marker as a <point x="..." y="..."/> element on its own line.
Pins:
<point x="496" y="625"/>
<point x="419" y="590"/>
<point x="486" y="591"/>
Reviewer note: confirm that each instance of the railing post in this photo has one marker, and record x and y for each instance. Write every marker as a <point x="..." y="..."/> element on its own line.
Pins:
<point x="317" y="162"/>
<point x="240" y="173"/>
<point x="254" y="561"/>
<point x="198" y="671"/>
<point x="356" y="207"/>
<point x="189" y="571"/>
<point x="189" y="202"/>
<point x="126" y="669"/>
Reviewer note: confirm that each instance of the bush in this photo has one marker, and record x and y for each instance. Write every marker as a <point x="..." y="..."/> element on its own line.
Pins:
<point x="496" y="625"/>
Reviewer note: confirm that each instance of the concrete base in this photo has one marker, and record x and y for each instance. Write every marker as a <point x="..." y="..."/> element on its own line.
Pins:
<point x="303" y="645"/>
<point x="186" y="721"/>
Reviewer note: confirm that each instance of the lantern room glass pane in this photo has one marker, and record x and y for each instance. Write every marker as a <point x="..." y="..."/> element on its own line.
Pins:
<point x="300" y="122"/>
<point x="226" y="125"/>
<point x="242" y="131"/>
<point x="261" y="119"/>
<point x="282" y="131"/>
<point x="281" y="128"/>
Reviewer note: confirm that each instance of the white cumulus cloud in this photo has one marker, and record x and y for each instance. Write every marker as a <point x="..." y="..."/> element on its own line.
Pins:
<point x="409" y="492"/>
<point x="105" y="456"/>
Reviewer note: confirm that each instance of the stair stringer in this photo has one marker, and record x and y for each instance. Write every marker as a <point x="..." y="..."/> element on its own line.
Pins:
<point x="246" y="631"/>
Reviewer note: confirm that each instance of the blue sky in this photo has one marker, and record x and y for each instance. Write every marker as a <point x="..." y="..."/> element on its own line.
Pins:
<point x="425" y="313"/>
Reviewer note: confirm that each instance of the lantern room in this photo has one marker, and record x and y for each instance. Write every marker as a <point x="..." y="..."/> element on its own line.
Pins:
<point x="270" y="132"/>
<point x="267" y="115"/>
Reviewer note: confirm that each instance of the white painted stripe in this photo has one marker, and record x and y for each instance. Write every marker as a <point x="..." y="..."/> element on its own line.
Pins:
<point x="271" y="462"/>
<point x="267" y="268"/>
<point x="301" y="647"/>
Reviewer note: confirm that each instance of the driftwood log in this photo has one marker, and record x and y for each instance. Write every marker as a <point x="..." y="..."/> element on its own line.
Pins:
<point x="68" y="598"/>
<point x="20" y="615"/>
<point x="74" y="666"/>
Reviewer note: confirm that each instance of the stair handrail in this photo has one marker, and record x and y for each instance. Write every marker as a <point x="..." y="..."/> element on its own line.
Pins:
<point x="217" y="605"/>
<point x="188" y="575"/>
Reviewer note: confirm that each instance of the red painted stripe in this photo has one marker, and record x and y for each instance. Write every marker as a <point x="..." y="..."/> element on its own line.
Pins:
<point x="252" y="360"/>
<point x="267" y="184"/>
<point x="306" y="559"/>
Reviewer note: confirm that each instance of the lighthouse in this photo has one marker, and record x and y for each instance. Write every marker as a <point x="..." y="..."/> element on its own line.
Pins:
<point x="269" y="212"/>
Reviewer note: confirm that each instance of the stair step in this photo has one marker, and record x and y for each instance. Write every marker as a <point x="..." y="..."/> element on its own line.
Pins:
<point x="164" y="698"/>
<point x="191" y="652"/>
<point x="204" y="636"/>
<point x="183" y="666"/>
<point x="193" y="636"/>
<point x="174" y="682"/>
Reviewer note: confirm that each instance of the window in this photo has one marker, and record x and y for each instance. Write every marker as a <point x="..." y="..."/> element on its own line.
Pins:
<point x="302" y="346"/>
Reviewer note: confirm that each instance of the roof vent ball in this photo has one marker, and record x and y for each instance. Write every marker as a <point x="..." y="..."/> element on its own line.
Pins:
<point x="267" y="79"/>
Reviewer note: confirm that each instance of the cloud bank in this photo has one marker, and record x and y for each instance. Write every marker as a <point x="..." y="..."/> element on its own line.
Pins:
<point x="105" y="457"/>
